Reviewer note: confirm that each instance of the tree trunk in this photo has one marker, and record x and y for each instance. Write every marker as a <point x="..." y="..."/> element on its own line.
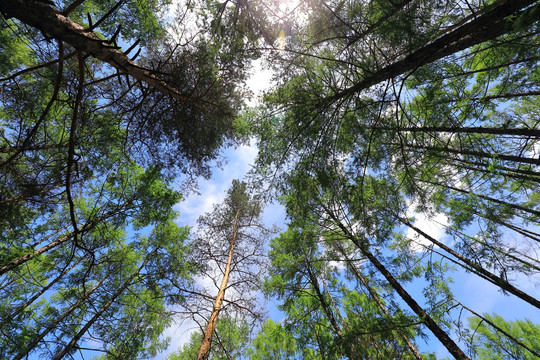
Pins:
<point x="37" y="295"/>
<point x="428" y="321"/>
<point x="207" y="339"/>
<point x="503" y="284"/>
<point x="87" y="227"/>
<point x="443" y="337"/>
<point x="496" y="201"/>
<point x="53" y="326"/>
<point x="43" y="17"/>
<point x="359" y="276"/>
<point x="457" y="130"/>
<point x="480" y="154"/>
<point x="491" y="24"/>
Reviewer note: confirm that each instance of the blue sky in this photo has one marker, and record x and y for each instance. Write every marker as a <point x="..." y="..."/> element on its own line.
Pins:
<point x="468" y="288"/>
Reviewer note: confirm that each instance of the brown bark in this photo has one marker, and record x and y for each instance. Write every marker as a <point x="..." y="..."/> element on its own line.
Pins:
<point x="52" y="22"/>
<point x="503" y="168"/>
<point x="9" y="149"/>
<point x="487" y="26"/>
<point x="500" y="96"/>
<point x="459" y="164"/>
<point x="428" y="321"/>
<point x="202" y="354"/>
<point x="322" y="301"/>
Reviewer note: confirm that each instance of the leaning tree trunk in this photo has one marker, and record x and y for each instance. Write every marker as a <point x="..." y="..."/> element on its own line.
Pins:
<point x="439" y="333"/>
<point x="55" y="24"/>
<point x="209" y="332"/>
<point x="489" y="25"/>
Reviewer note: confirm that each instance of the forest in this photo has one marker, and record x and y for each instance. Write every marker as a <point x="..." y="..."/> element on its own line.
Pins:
<point x="382" y="116"/>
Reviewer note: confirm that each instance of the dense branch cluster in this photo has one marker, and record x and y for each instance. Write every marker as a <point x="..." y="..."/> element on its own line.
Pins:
<point x="384" y="115"/>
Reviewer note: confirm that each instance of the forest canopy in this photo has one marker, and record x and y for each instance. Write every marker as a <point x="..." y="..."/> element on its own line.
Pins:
<point x="383" y="116"/>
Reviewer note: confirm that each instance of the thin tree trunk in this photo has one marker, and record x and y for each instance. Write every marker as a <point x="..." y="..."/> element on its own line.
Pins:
<point x="499" y="96"/>
<point x="97" y="315"/>
<point x="323" y="302"/>
<point x="500" y="251"/>
<point x="428" y="321"/>
<point x="503" y="284"/>
<point x="9" y="149"/>
<point x="510" y="337"/>
<point x="87" y="227"/>
<point x="359" y="276"/>
<point x="441" y="335"/>
<point x="42" y="16"/>
<point x="489" y="25"/>
<point x="496" y="201"/>
<point x="56" y="89"/>
<point x="499" y="167"/>
<point x="503" y="174"/>
<point x="202" y="354"/>
<point x="481" y="154"/>
<point x="319" y="343"/>
<point x="36" y="296"/>
<point x="467" y="130"/>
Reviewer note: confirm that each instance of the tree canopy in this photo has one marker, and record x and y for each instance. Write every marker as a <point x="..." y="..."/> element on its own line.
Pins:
<point x="383" y="117"/>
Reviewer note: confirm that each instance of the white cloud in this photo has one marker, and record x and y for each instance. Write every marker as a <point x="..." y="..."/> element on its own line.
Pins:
<point x="433" y="225"/>
<point x="260" y="80"/>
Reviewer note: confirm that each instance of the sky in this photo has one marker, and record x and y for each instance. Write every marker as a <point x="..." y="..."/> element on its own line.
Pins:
<point x="471" y="290"/>
<point x="212" y="191"/>
<point x="468" y="288"/>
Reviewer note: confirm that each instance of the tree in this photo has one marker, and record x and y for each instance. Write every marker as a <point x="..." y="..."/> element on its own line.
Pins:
<point x="486" y="341"/>
<point x="387" y="110"/>
<point x="230" y="242"/>
<point x="231" y="337"/>
<point x="83" y="171"/>
<point x="273" y="342"/>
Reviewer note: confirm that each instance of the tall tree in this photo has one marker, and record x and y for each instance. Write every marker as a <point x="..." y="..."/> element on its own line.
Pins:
<point x="383" y="111"/>
<point x="230" y="242"/>
<point x="92" y="136"/>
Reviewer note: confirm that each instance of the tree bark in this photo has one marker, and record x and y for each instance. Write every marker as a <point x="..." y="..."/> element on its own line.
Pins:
<point x="202" y="354"/>
<point x="496" y="201"/>
<point x="441" y="335"/>
<point x="430" y="323"/>
<point x="36" y="295"/>
<point x="359" y="276"/>
<point x="87" y="227"/>
<point x="487" y="26"/>
<point x="480" y="154"/>
<point x="503" y="284"/>
<point x="51" y="327"/>
<point x="467" y="130"/>
<point x="52" y="22"/>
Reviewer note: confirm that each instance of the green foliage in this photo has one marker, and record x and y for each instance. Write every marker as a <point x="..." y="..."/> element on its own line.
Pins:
<point x="273" y="342"/>
<point x="231" y="338"/>
<point x="488" y="343"/>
